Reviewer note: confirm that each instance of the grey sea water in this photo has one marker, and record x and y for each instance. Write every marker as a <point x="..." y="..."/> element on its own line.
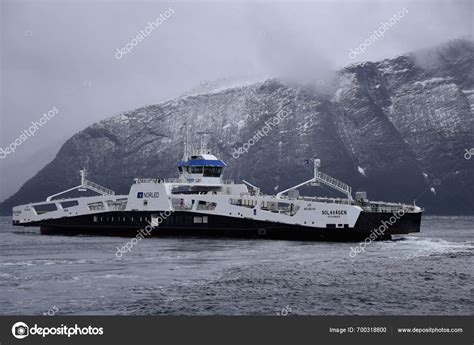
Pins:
<point x="427" y="273"/>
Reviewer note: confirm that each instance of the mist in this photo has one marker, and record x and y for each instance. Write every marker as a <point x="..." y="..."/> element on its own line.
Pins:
<point x="63" y="54"/>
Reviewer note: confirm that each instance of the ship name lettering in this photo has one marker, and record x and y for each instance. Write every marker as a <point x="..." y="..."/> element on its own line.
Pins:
<point x="334" y="212"/>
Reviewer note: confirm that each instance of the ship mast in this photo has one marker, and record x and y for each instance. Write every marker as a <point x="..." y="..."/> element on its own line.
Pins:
<point x="186" y="143"/>
<point x="203" y="147"/>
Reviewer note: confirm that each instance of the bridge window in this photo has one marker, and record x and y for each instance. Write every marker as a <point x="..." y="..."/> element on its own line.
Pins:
<point x="212" y="171"/>
<point x="196" y="170"/>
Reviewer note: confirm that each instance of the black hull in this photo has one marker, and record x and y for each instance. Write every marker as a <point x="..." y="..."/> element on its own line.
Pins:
<point x="181" y="224"/>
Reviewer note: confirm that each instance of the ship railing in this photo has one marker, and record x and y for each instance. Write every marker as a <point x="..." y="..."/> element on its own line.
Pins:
<point x="381" y="207"/>
<point x="173" y="180"/>
<point x="148" y="180"/>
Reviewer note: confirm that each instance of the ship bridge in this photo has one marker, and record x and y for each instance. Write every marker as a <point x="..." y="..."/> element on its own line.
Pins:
<point x="201" y="168"/>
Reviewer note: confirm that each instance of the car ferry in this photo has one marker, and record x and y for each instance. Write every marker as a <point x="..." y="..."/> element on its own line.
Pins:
<point x="200" y="202"/>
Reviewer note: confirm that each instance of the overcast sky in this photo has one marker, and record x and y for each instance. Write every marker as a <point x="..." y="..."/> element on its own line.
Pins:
<point x="63" y="54"/>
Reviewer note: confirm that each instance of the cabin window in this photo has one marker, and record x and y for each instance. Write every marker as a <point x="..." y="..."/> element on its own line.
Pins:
<point x="197" y="220"/>
<point x="180" y="169"/>
<point x="96" y="206"/>
<point x="96" y="219"/>
<point x="67" y="204"/>
<point x="208" y="206"/>
<point x="244" y="202"/>
<point x="45" y="208"/>
<point x="182" y="204"/>
<point x="117" y="205"/>
<point x="279" y="207"/>
<point x="205" y="219"/>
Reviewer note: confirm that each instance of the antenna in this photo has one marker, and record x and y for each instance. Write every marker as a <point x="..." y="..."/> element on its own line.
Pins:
<point x="186" y="143"/>
<point x="203" y="147"/>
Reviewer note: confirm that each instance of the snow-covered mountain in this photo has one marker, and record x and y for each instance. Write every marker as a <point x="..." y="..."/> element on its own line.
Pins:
<point x="397" y="128"/>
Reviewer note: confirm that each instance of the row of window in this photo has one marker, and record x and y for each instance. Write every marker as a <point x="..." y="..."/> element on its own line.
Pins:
<point x="206" y="171"/>
<point x="118" y="205"/>
<point x="171" y="220"/>
<point x="118" y="219"/>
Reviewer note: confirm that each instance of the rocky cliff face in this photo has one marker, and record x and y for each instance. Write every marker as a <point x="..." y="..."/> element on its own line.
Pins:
<point x="398" y="128"/>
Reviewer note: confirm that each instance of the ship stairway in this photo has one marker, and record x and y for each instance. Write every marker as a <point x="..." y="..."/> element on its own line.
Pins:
<point x="97" y="188"/>
<point x="334" y="183"/>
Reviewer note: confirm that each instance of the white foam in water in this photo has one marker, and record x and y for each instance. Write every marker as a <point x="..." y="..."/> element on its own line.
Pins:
<point x="118" y="276"/>
<point x="416" y="247"/>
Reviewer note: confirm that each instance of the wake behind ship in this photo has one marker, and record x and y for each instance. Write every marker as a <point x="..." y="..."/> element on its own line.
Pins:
<point x="201" y="203"/>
